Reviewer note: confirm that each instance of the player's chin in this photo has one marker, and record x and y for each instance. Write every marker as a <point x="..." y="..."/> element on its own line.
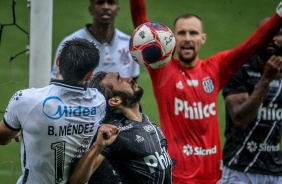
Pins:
<point x="186" y="58"/>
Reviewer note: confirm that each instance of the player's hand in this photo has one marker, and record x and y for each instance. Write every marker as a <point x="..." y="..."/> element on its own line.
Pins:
<point x="272" y="68"/>
<point x="18" y="137"/>
<point x="107" y="133"/>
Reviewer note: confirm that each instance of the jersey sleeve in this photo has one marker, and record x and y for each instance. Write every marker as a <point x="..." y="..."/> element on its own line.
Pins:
<point x="138" y="12"/>
<point x="235" y="85"/>
<point x="17" y="110"/>
<point x="261" y="37"/>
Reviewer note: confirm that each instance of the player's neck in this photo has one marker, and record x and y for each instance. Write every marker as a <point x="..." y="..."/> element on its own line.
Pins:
<point x="133" y="113"/>
<point x="103" y="33"/>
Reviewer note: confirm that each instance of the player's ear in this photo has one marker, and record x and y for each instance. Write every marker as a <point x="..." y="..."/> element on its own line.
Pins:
<point x="204" y="37"/>
<point x="118" y="9"/>
<point x="114" y="101"/>
<point x="58" y="61"/>
<point x="89" y="75"/>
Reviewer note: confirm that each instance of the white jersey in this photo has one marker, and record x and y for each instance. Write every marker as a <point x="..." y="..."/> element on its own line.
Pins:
<point x="114" y="57"/>
<point x="58" y="123"/>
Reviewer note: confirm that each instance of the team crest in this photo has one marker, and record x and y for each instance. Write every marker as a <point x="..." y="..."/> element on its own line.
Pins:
<point x="124" y="58"/>
<point x="208" y="85"/>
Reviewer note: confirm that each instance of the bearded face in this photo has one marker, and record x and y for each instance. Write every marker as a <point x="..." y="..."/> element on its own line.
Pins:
<point x="271" y="49"/>
<point x="129" y="99"/>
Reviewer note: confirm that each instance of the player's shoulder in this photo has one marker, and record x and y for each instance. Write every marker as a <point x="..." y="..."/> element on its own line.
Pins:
<point x="27" y="96"/>
<point x="81" y="33"/>
<point x="121" y="35"/>
<point x="119" y="120"/>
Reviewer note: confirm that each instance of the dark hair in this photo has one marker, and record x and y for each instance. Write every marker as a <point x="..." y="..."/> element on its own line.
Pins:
<point x="78" y="57"/>
<point x="108" y="92"/>
<point x="187" y="16"/>
<point x="105" y="89"/>
<point x="93" y="1"/>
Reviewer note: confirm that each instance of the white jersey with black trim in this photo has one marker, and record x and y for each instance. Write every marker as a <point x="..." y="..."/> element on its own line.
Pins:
<point x="114" y="56"/>
<point x="58" y="123"/>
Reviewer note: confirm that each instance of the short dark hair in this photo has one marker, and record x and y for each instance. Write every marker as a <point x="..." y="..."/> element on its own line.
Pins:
<point x="93" y="1"/>
<point x="78" y="57"/>
<point x="187" y="16"/>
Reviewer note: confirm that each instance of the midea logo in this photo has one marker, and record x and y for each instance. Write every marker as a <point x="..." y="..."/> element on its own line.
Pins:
<point x="54" y="108"/>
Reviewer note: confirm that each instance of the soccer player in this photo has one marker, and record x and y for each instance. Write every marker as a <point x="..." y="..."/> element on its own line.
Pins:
<point x="186" y="91"/>
<point x="58" y="122"/>
<point x="253" y="98"/>
<point x="111" y="42"/>
<point x="139" y="153"/>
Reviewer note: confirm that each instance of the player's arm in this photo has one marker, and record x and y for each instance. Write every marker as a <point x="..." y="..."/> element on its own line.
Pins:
<point x="138" y="12"/>
<point x="89" y="162"/>
<point x="242" y="107"/>
<point x="260" y="38"/>
<point x="7" y="134"/>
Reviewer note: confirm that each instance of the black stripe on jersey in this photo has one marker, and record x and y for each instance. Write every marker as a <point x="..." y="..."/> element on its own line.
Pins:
<point x="8" y="126"/>
<point x="25" y="176"/>
<point x="68" y="85"/>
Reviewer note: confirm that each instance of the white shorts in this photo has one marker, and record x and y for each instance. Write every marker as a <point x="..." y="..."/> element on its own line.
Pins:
<point x="230" y="176"/>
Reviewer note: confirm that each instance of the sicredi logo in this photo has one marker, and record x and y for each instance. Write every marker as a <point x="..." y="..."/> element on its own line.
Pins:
<point x="189" y="150"/>
<point x="54" y="108"/>
<point x="262" y="147"/>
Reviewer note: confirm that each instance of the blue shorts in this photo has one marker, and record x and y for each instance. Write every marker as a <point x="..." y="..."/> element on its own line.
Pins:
<point x="230" y="176"/>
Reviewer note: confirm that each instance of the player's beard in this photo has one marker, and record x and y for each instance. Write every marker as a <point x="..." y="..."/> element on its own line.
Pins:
<point x="186" y="59"/>
<point x="265" y="54"/>
<point x="130" y="100"/>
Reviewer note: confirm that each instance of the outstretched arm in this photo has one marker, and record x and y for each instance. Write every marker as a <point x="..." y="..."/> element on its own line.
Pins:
<point x="242" y="107"/>
<point x="260" y="38"/>
<point x="138" y="12"/>
<point x="89" y="162"/>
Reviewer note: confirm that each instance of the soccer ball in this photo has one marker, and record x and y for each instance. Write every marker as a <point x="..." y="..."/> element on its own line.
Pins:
<point x="152" y="44"/>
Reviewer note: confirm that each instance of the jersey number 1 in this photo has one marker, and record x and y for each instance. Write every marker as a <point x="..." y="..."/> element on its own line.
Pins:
<point x="59" y="148"/>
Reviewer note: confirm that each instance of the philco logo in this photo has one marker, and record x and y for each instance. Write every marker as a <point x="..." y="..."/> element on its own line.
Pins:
<point x="63" y="110"/>
<point x="195" y="110"/>
<point x="158" y="160"/>
<point x="262" y="147"/>
<point x="272" y="112"/>
<point x="189" y="150"/>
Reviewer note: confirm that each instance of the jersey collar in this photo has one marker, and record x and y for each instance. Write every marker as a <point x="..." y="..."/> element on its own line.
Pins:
<point x="97" y="41"/>
<point x="68" y="84"/>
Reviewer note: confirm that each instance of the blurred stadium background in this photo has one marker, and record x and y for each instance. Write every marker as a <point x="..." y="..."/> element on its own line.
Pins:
<point x="226" y="22"/>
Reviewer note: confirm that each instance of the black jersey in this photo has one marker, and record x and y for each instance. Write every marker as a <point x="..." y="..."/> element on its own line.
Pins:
<point x="139" y="153"/>
<point x="257" y="148"/>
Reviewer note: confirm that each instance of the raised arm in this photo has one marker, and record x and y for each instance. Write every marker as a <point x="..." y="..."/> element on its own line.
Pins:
<point x="260" y="38"/>
<point x="242" y="107"/>
<point x="89" y="162"/>
<point x="138" y="12"/>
